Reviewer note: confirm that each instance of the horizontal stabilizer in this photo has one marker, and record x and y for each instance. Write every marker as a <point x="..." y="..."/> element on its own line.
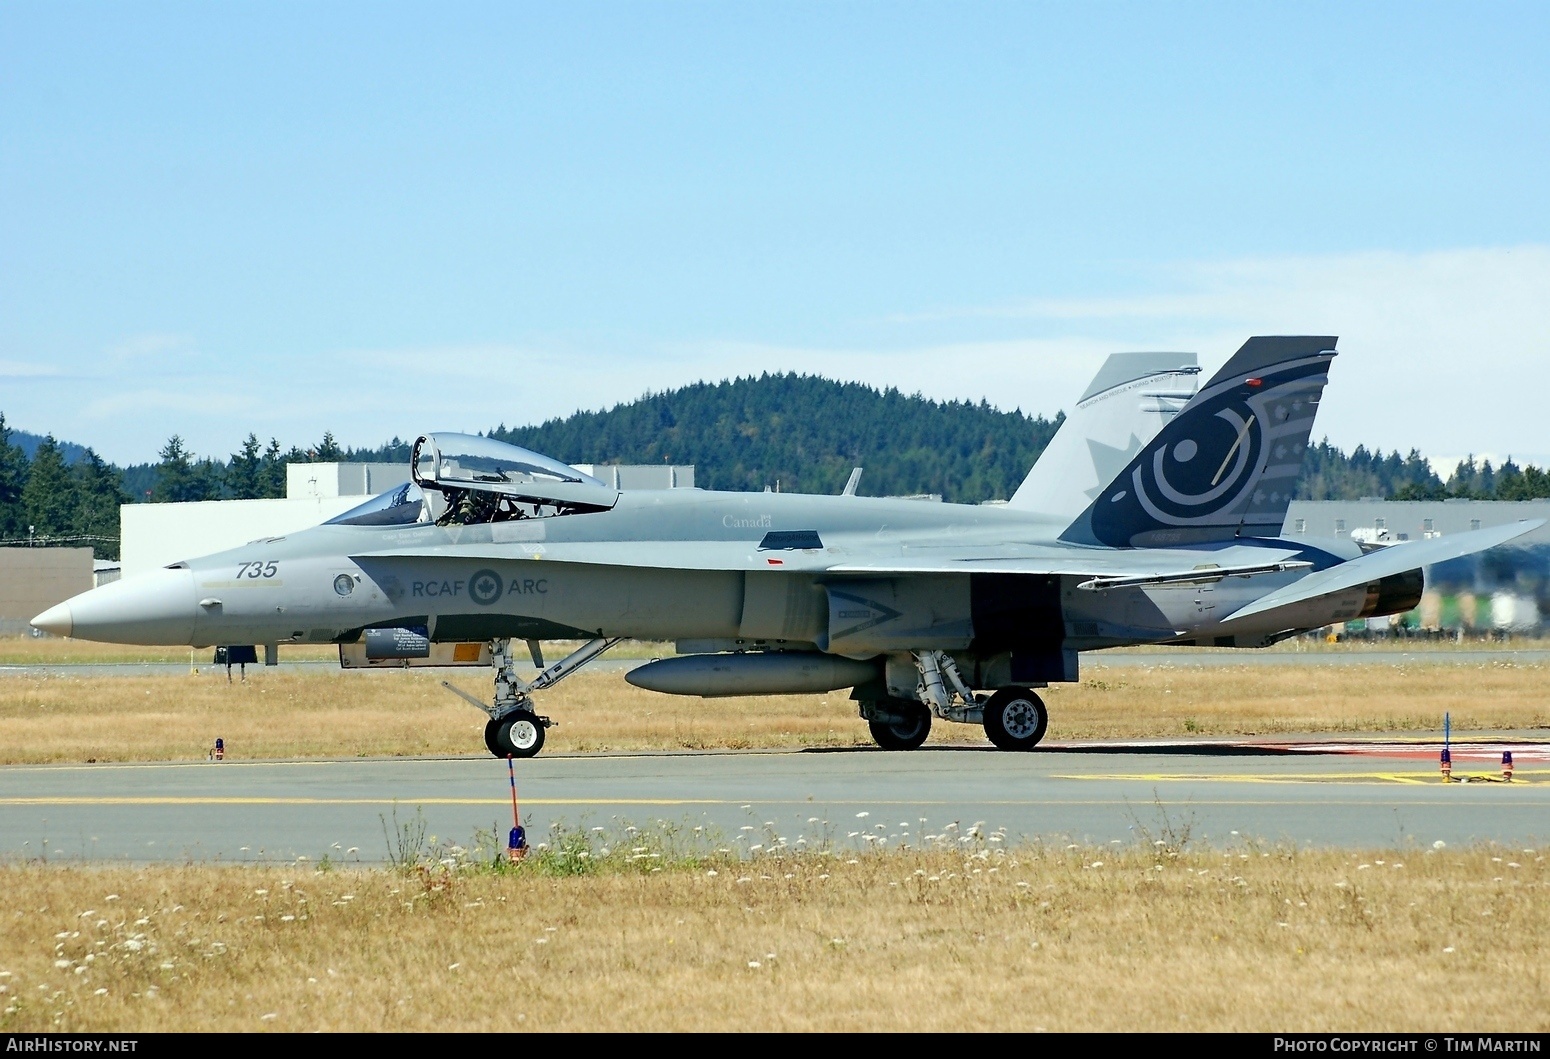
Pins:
<point x="1395" y="559"/>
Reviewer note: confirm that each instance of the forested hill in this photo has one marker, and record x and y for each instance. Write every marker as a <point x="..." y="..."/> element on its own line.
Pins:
<point x="800" y="433"/>
<point x="29" y="444"/>
<point x="806" y="433"/>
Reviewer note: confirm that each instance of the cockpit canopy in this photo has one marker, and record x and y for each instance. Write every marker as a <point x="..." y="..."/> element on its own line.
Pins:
<point x="483" y="480"/>
<point x="468" y="460"/>
<point x="402" y="505"/>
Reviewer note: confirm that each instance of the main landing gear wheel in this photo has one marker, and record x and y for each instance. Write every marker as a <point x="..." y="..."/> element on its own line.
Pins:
<point x="1015" y="719"/>
<point x="906" y="729"/>
<point x="518" y="734"/>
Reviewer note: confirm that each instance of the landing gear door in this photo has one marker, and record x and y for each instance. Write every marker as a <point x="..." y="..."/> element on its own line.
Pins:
<point x="879" y="616"/>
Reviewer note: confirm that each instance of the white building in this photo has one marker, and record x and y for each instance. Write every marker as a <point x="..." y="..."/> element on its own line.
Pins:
<point x="641" y="475"/>
<point x="154" y="535"/>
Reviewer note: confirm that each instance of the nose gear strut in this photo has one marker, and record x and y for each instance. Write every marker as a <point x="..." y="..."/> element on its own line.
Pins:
<point x="515" y="728"/>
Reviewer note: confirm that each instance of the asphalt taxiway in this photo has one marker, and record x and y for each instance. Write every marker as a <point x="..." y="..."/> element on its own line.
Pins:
<point x="1318" y="793"/>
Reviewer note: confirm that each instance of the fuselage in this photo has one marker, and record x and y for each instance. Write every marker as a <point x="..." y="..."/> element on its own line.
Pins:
<point x="681" y="565"/>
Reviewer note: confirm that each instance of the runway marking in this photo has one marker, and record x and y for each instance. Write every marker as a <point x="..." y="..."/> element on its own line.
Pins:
<point x="242" y="800"/>
<point x="66" y="801"/>
<point x="1416" y="779"/>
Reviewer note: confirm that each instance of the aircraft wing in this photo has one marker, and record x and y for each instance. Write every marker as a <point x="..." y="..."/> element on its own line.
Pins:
<point x="1104" y="567"/>
<point x="1394" y="559"/>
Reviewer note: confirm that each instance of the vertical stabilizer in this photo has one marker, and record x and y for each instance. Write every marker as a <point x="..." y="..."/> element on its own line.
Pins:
<point x="1133" y="396"/>
<point x="1227" y="465"/>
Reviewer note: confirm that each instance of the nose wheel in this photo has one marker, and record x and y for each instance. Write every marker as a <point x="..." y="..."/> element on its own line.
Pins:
<point x="514" y="729"/>
<point x="1015" y="719"/>
<point x="519" y="734"/>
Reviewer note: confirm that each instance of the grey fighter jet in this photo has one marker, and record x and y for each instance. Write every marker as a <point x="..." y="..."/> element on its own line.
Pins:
<point x="1155" y="518"/>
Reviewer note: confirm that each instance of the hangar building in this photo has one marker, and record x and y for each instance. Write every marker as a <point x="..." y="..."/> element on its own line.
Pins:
<point x="34" y="579"/>
<point x="154" y="535"/>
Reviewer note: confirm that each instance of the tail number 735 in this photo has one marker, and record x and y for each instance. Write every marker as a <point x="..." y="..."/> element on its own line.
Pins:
<point x="258" y="569"/>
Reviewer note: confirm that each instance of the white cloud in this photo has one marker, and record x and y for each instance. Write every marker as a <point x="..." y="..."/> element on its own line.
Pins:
<point x="1447" y="351"/>
<point x="152" y="345"/>
<point x="21" y="369"/>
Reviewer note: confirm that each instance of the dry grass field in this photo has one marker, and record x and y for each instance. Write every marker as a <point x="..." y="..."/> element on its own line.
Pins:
<point x="964" y="934"/>
<point x="54" y="650"/>
<point x="326" y="712"/>
<point x="659" y="929"/>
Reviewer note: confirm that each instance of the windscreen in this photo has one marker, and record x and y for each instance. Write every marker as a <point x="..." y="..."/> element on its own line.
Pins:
<point x="399" y="506"/>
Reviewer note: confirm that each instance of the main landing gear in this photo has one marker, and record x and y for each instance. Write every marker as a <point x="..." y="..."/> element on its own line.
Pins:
<point x="1014" y="718"/>
<point x="898" y="724"/>
<point x="515" y="729"/>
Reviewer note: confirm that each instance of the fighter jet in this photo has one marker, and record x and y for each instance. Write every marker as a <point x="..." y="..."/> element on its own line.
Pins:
<point x="1154" y="519"/>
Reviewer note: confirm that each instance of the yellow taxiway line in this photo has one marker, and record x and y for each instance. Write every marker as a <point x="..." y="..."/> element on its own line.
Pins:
<point x="1407" y="778"/>
<point x="218" y="800"/>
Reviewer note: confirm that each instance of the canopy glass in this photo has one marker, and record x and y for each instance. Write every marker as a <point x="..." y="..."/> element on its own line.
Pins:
<point x="465" y="460"/>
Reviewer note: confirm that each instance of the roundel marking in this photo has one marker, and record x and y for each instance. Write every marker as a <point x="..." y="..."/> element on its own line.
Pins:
<point x="1208" y="469"/>
<point x="485" y="587"/>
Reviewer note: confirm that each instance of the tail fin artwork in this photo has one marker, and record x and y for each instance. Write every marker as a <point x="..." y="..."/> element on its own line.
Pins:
<point x="1227" y="465"/>
<point x="1133" y="396"/>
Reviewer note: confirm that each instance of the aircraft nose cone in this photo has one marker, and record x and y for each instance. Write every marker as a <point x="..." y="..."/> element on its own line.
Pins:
<point x="158" y="607"/>
<point x="57" y="620"/>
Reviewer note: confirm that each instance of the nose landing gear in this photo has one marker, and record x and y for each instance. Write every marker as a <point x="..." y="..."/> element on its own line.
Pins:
<point x="514" y="728"/>
<point x="517" y="734"/>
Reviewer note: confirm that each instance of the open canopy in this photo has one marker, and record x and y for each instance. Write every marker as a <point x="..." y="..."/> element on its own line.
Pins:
<point x="478" y="473"/>
<point x="469" y="460"/>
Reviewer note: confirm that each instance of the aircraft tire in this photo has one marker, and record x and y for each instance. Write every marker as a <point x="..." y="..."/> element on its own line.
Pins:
<point x="517" y="734"/>
<point x="1015" y="719"/>
<point x="904" y="734"/>
<point x="492" y="739"/>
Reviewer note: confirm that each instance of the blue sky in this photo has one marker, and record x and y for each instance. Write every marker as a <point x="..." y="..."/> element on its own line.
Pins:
<point x="380" y="219"/>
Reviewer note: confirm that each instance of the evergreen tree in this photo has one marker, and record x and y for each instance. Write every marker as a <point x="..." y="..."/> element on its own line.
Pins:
<point x="328" y="450"/>
<point x="395" y="451"/>
<point x="271" y="475"/>
<point x="100" y="492"/>
<point x="244" y="472"/>
<point x="179" y="479"/>
<point x="49" y="498"/>
<point x="1521" y="483"/>
<point x="211" y="477"/>
<point x="13" y="478"/>
<point x="1329" y="474"/>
